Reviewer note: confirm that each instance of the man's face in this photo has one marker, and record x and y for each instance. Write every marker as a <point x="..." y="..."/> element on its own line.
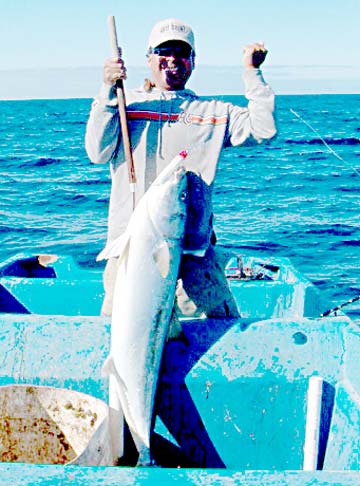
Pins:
<point x="171" y="65"/>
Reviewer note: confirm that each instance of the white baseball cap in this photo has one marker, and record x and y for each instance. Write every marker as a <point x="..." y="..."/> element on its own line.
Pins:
<point x="171" y="29"/>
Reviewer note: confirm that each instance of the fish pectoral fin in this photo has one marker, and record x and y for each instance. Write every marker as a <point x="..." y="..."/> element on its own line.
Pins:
<point x="118" y="248"/>
<point x="161" y="257"/>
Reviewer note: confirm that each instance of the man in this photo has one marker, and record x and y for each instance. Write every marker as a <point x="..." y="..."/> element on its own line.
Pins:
<point x="164" y="119"/>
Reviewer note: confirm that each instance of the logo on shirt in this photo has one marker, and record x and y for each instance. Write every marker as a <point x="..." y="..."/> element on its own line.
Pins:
<point x="185" y="118"/>
<point x="188" y="119"/>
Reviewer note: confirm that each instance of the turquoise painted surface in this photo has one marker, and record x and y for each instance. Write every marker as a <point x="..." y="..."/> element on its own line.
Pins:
<point x="225" y="400"/>
<point x="343" y="451"/>
<point x="30" y="475"/>
<point x="250" y="391"/>
<point x="66" y="352"/>
<point x="75" y="290"/>
<point x="285" y="294"/>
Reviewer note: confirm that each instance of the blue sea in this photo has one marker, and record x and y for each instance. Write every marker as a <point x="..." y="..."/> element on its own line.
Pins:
<point x="294" y="197"/>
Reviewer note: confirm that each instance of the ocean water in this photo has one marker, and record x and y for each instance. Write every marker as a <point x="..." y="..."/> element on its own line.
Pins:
<point x="294" y="197"/>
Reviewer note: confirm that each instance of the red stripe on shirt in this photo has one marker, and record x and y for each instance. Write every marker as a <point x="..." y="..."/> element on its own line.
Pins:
<point x="174" y="117"/>
<point x="208" y="120"/>
<point x="152" y="116"/>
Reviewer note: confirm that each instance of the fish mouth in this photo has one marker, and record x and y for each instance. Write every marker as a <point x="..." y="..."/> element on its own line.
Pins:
<point x="179" y="173"/>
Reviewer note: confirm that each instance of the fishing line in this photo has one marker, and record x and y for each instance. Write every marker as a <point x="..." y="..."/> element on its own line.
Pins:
<point x="331" y="150"/>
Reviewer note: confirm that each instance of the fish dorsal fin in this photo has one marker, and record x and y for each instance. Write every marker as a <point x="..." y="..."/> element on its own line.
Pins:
<point x="161" y="257"/>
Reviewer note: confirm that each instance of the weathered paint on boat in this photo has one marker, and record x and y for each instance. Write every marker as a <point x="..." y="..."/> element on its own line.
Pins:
<point x="242" y="406"/>
<point x="252" y="399"/>
<point x="233" y="395"/>
<point x="27" y="474"/>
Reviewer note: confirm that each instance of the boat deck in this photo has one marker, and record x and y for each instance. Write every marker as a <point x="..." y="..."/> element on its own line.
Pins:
<point x="232" y="399"/>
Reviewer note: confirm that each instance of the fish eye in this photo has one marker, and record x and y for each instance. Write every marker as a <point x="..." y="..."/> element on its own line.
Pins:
<point x="183" y="195"/>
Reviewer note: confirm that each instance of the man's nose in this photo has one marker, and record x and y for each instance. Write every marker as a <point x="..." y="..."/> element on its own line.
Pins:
<point x="171" y="59"/>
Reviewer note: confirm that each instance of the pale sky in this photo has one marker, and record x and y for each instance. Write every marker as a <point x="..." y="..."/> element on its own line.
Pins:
<point x="38" y="34"/>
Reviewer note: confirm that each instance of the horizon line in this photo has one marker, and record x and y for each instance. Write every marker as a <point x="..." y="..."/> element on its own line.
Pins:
<point x="58" y="98"/>
<point x="94" y="66"/>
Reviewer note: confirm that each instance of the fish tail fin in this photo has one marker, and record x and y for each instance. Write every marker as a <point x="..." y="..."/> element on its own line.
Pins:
<point x="116" y="415"/>
<point x="119" y="404"/>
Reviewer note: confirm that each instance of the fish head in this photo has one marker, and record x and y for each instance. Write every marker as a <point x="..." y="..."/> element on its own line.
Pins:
<point x="168" y="203"/>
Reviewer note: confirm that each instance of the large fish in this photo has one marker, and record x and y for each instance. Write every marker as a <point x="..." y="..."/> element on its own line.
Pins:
<point x="149" y="256"/>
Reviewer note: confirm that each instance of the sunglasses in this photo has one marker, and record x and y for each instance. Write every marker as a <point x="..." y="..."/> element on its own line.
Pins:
<point x="175" y="51"/>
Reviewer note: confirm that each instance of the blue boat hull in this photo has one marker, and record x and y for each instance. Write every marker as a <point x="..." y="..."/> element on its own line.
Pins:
<point x="232" y="397"/>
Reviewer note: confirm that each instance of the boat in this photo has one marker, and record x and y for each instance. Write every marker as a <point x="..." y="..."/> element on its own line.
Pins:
<point x="272" y="397"/>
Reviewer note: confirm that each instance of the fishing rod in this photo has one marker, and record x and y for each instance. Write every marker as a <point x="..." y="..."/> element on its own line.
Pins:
<point x="339" y="307"/>
<point x="120" y="93"/>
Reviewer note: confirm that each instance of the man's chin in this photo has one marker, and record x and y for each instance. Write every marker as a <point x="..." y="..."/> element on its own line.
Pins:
<point x="175" y="81"/>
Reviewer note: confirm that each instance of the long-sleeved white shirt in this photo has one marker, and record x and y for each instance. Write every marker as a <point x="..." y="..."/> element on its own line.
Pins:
<point x="162" y="124"/>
